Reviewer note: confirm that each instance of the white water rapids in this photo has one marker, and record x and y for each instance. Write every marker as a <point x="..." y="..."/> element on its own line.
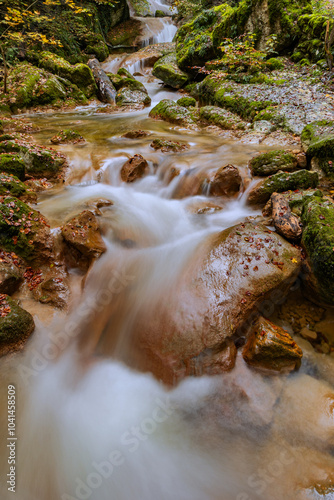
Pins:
<point x="91" y="427"/>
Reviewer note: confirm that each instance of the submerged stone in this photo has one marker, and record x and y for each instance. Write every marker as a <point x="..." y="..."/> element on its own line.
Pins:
<point x="227" y="181"/>
<point x="135" y="168"/>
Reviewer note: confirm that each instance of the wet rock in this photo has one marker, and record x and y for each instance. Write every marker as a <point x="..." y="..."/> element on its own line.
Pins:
<point x="38" y="185"/>
<point x="226" y="182"/>
<point x="286" y="223"/>
<point x="11" y="277"/>
<point x="96" y="205"/>
<point x="271" y="348"/>
<point x="203" y="207"/>
<point x="53" y="290"/>
<point x="149" y="55"/>
<point x="280" y="182"/>
<point x="263" y="126"/>
<point x="12" y="164"/>
<point x="24" y="231"/>
<point x="171" y="112"/>
<point x="191" y="183"/>
<point x="308" y="334"/>
<point x="186" y="102"/>
<point x="272" y="162"/>
<point x="221" y="118"/>
<point x="105" y="90"/>
<point x="167" y="70"/>
<point x="136" y="134"/>
<point x="134" y="169"/>
<point x="128" y="97"/>
<point x="168" y="146"/>
<point x="230" y="275"/>
<point x="83" y="239"/>
<point x="295" y="199"/>
<point x="318" y="241"/>
<point x="16" y="325"/>
<point x="67" y="137"/>
<point x="10" y="185"/>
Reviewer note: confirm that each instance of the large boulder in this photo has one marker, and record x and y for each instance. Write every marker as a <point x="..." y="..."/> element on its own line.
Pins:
<point x="318" y="241"/>
<point x="16" y="325"/>
<point x="127" y="97"/>
<point x="271" y="348"/>
<point x="280" y="182"/>
<point x="24" y="231"/>
<point x="171" y="112"/>
<point x="221" y="118"/>
<point x="189" y="328"/>
<point x="168" y="71"/>
<point x="78" y="74"/>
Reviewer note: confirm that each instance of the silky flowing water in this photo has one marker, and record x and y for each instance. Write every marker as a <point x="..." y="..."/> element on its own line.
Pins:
<point x="90" y="426"/>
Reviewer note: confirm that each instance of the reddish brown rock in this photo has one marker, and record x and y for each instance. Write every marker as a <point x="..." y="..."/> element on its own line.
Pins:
<point x="189" y="328"/>
<point x="136" y="134"/>
<point x="271" y="348"/>
<point x="134" y="169"/>
<point x="83" y="239"/>
<point x="226" y="182"/>
<point x="286" y="223"/>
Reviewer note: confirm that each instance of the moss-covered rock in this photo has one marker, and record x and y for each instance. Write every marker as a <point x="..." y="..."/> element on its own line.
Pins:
<point x="318" y="241"/>
<point x="141" y="8"/>
<point x="67" y="136"/>
<point x="168" y="146"/>
<point x="171" y="112"/>
<point x="12" y="164"/>
<point x="280" y="182"/>
<point x="11" y="185"/>
<point x="272" y="162"/>
<point x="274" y="64"/>
<point x="186" y="102"/>
<point x="31" y="86"/>
<point x="221" y="118"/>
<point x="16" y="325"/>
<point x="167" y="70"/>
<point x="99" y="50"/>
<point x="318" y="141"/>
<point x="11" y="275"/>
<point x="24" y="231"/>
<point x="79" y="74"/>
<point x="124" y="73"/>
<point x="215" y="89"/>
<point x="116" y="80"/>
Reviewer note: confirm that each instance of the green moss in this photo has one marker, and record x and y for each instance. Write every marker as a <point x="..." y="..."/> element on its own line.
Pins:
<point x="170" y="111"/>
<point x="9" y="147"/>
<point x="186" y="102"/>
<point x="11" y="185"/>
<point x="18" y="225"/>
<point x="16" y="326"/>
<point x="318" y="240"/>
<point x="116" y="80"/>
<point x="67" y="136"/>
<point x="132" y="84"/>
<point x="281" y="182"/>
<point x="124" y="72"/>
<point x="221" y="118"/>
<point x="272" y="162"/>
<point x="79" y="74"/>
<point x="270" y="114"/>
<point x="274" y="64"/>
<point x="99" y="50"/>
<point x="128" y="97"/>
<point x="318" y="141"/>
<point x="167" y="70"/>
<point x="12" y="164"/>
<point x="6" y="137"/>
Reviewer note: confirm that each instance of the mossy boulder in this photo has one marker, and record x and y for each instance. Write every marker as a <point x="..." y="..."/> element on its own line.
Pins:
<point x="141" y="8"/>
<point x="168" y="146"/>
<point x="272" y="162"/>
<point x="221" y="118"/>
<point x="318" y="141"/>
<point x="131" y="84"/>
<point x="274" y="64"/>
<point x="12" y="164"/>
<point x="67" y="136"/>
<point x="281" y="182"/>
<point x="11" y="275"/>
<point x="186" y="102"/>
<point x="271" y="348"/>
<point x="216" y="90"/>
<point x="16" y="325"/>
<point x="318" y="241"/>
<point x="128" y="97"/>
<point x="116" y="80"/>
<point x="171" y="112"/>
<point x="99" y="49"/>
<point x="24" y="231"/>
<point x="123" y="72"/>
<point x="78" y="74"/>
<point x="11" y="185"/>
<point x="167" y="70"/>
